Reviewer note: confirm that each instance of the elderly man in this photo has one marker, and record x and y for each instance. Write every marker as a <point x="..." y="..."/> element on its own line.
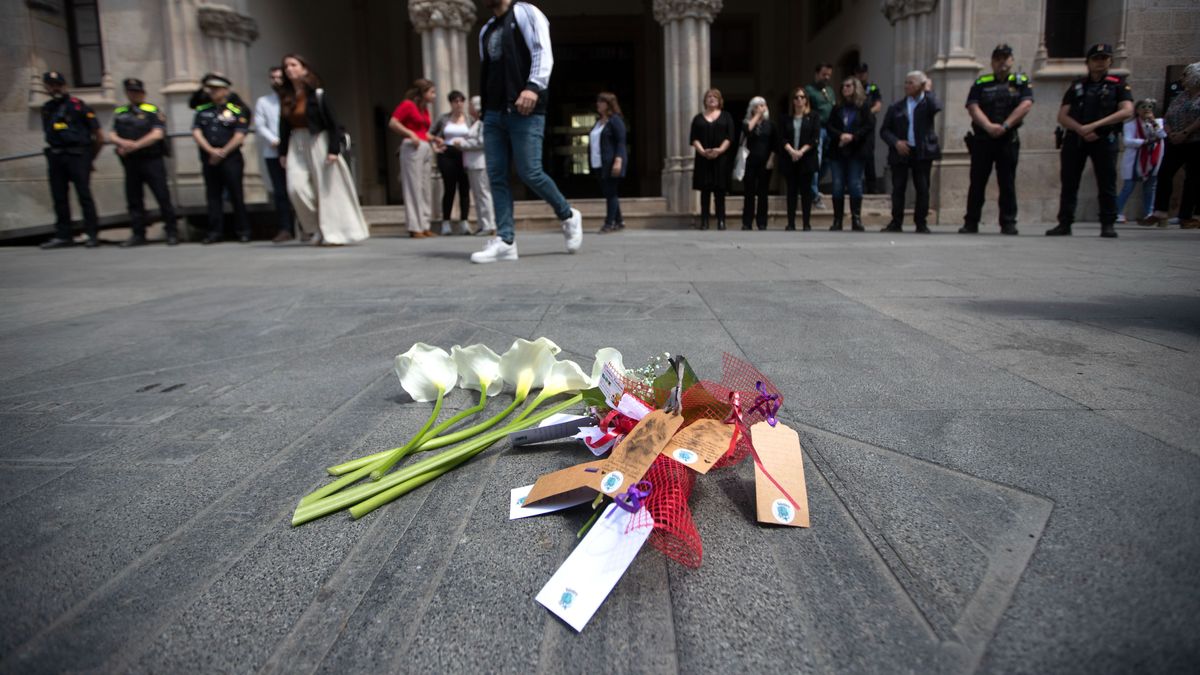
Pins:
<point x="912" y="147"/>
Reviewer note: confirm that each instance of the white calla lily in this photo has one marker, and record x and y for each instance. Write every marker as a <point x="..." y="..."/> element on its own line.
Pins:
<point x="604" y="356"/>
<point x="564" y="376"/>
<point x="526" y="364"/>
<point x="478" y="368"/>
<point x="554" y="349"/>
<point x="426" y="372"/>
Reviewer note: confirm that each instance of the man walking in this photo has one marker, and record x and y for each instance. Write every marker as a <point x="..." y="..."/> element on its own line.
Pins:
<point x="821" y="98"/>
<point x="140" y="134"/>
<point x="73" y="139"/>
<point x="997" y="103"/>
<point x="266" y="125"/>
<point x="516" y="60"/>
<point x="1092" y="112"/>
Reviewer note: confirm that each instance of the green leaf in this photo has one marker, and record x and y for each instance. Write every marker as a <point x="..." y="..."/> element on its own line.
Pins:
<point x="664" y="383"/>
<point x="594" y="398"/>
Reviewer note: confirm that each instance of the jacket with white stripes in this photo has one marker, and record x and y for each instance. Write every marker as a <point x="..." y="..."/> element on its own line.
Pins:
<point x="527" y="58"/>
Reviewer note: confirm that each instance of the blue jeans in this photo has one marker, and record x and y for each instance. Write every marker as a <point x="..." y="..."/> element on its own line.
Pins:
<point x="822" y="161"/>
<point x="847" y="175"/>
<point x="1149" y="183"/>
<point x="512" y="138"/>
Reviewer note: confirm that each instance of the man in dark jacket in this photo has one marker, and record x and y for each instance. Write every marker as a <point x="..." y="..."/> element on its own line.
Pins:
<point x="515" y="64"/>
<point x="912" y="147"/>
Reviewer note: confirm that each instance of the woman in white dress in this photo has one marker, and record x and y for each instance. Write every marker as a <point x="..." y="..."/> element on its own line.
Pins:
<point x="319" y="183"/>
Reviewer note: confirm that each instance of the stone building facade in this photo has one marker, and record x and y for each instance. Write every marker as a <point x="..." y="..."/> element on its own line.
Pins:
<point x="658" y="55"/>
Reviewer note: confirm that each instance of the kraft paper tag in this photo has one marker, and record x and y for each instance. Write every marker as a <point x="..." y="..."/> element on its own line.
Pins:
<point x="563" y="481"/>
<point x="700" y="445"/>
<point x="778" y="448"/>
<point x="632" y="457"/>
<point x="589" y="574"/>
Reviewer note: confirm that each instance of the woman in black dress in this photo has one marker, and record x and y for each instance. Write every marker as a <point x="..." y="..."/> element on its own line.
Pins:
<point x="849" y="124"/>
<point x="801" y="132"/>
<point x="712" y="137"/>
<point x="762" y="142"/>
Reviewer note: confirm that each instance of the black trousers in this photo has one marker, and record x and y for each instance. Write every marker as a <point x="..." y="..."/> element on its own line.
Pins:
<point x="920" y="170"/>
<point x="1075" y="153"/>
<point x="610" y="187"/>
<point x="140" y="173"/>
<point x="1002" y="153"/>
<point x="870" y="177"/>
<point x="68" y="167"/>
<point x="454" y="177"/>
<point x="1179" y="155"/>
<point x="706" y="199"/>
<point x="757" y="183"/>
<point x="283" y="205"/>
<point x="799" y="188"/>
<point x="226" y="178"/>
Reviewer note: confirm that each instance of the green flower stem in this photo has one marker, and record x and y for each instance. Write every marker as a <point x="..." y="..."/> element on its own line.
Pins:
<point x="368" y="505"/>
<point x="385" y="464"/>
<point x="436" y="431"/>
<point x="306" y="512"/>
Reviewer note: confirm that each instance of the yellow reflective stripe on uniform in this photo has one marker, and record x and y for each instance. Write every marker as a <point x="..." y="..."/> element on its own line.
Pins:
<point x="203" y="106"/>
<point x="985" y="79"/>
<point x="235" y="109"/>
<point x="148" y="107"/>
<point x="122" y="109"/>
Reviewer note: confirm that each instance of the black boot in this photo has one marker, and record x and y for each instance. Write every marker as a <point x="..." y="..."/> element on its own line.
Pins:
<point x="1010" y="230"/>
<point x="839" y="209"/>
<point x="791" y="225"/>
<point x="1060" y="231"/>
<point x="856" y="214"/>
<point x="720" y="223"/>
<point x="704" y="221"/>
<point x="1108" y="231"/>
<point x="968" y="228"/>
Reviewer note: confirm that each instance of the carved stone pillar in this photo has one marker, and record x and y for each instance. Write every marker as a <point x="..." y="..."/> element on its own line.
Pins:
<point x="444" y="26"/>
<point x="686" y="59"/>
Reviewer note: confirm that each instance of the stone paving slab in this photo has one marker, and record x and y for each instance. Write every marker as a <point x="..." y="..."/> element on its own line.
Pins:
<point x="1000" y="439"/>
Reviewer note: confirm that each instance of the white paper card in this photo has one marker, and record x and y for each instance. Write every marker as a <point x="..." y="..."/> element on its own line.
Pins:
<point x="632" y="406"/>
<point x="589" y="574"/>
<point x="560" y="418"/>
<point x="592" y="435"/>
<point x="610" y="384"/>
<point x="517" y="508"/>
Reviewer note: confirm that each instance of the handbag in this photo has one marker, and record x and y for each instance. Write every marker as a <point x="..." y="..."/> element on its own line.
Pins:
<point x="739" y="163"/>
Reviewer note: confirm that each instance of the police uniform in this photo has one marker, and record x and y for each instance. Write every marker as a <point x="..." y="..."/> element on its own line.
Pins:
<point x="144" y="167"/>
<point x="997" y="98"/>
<point x="70" y="126"/>
<point x="219" y="124"/>
<point x="871" y="177"/>
<point x="1090" y="101"/>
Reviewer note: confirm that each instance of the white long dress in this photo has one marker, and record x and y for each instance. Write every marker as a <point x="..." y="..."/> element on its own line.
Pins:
<point x="322" y="194"/>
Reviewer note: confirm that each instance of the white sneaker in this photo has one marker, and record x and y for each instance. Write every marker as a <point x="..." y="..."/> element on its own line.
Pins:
<point x="1173" y="221"/>
<point x="486" y="232"/>
<point x="573" y="230"/>
<point x="495" y="250"/>
<point x="1121" y="219"/>
<point x="446" y="228"/>
<point x="464" y="227"/>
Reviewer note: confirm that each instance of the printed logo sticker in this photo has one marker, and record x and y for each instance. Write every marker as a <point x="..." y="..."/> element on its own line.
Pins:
<point x="611" y="482"/>
<point x="521" y="501"/>
<point x="567" y="598"/>
<point x="783" y="510"/>
<point x="685" y="456"/>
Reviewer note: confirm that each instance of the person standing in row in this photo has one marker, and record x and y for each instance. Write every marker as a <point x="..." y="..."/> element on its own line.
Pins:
<point x="1143" y="158"/>
<point x="850" y="122"/>
<point x="411" y="120"/>
<point x="448" y="128"/>
<point x="712" y="137"/>
<point x="997" y="103"/>
<point x="516" y="59"/>
<point x="608" y="157"/>
<point x="801" y="132"/>
<point x="1092" y="111"/>
<point x="73" y="139"/>
<point x="219" y="128"/>
<point x="821" y="98"/>
<point x="1182" y="123"/>
<point x="875" y="103"/>
<point x="311" y="142"/>
<point x="912" y="148"/>
<point x="761" y="142"/>
<point x="140" y="133"/>
<point x="266" y="125"/>
<point x="471" y="146"/>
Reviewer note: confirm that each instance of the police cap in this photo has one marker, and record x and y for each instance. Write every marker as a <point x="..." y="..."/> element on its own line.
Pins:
<point x="217" y="80"/>
<point x="1100" y="49"/>
<point x="53" y="77"/>
<point x="134" y="84"/>
<point x="1002" y="50"/>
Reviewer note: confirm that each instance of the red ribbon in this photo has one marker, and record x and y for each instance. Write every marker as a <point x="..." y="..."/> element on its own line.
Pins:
<point x="739" y="427"/>
<point x="614" y="424"/>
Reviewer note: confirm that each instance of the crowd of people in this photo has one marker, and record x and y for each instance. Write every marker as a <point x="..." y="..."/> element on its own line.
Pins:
<point x="476" y="144"/>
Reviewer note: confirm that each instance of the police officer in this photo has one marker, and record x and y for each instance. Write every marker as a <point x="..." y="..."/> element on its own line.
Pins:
<point x="1092" y="112"/>
<point x="997" y="104"/>
<point x="140" y="133"/>
<point x="220" y="128"/>
<point x="875" y="103"/>
<point x="73" y="138"/>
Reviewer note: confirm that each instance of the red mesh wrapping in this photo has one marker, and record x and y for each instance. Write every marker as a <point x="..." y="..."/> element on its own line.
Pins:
<point x="674" y="530"/>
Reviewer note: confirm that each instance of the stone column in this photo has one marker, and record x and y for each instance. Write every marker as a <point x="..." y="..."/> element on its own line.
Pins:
<point x="687" y="74"/>
<point x="444" y="26"/>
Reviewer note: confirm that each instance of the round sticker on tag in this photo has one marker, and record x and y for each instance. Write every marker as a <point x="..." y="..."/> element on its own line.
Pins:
<point x="783" y="511"/>
<point x="685" y="456"/>
<point x="612" y="482"/>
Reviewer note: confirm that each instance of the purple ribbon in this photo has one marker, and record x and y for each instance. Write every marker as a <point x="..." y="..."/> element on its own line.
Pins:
<point x="631" y="500"/>
<point x="768" y="403"/>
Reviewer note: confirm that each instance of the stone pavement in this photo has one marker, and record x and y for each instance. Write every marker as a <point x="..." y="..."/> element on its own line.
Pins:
<point x="1002" y="441"/>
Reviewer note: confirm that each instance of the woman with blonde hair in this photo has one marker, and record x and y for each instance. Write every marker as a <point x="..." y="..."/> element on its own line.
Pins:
<point x="850" y="122"/>
<point x="609" y="157"/>
<point x="412" y="121"/>
<point x="319" y="184"/>
<point x="760" y="139"/>
<point x="801" y="133"/>
<point x="712" y="136"/>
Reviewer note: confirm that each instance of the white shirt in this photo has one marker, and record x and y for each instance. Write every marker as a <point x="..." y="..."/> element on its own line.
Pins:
<point x="594" y="144"/>
<point x="454" y="130"/>
<point x="912" y="104"/>
<point x="266" y="124"/>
